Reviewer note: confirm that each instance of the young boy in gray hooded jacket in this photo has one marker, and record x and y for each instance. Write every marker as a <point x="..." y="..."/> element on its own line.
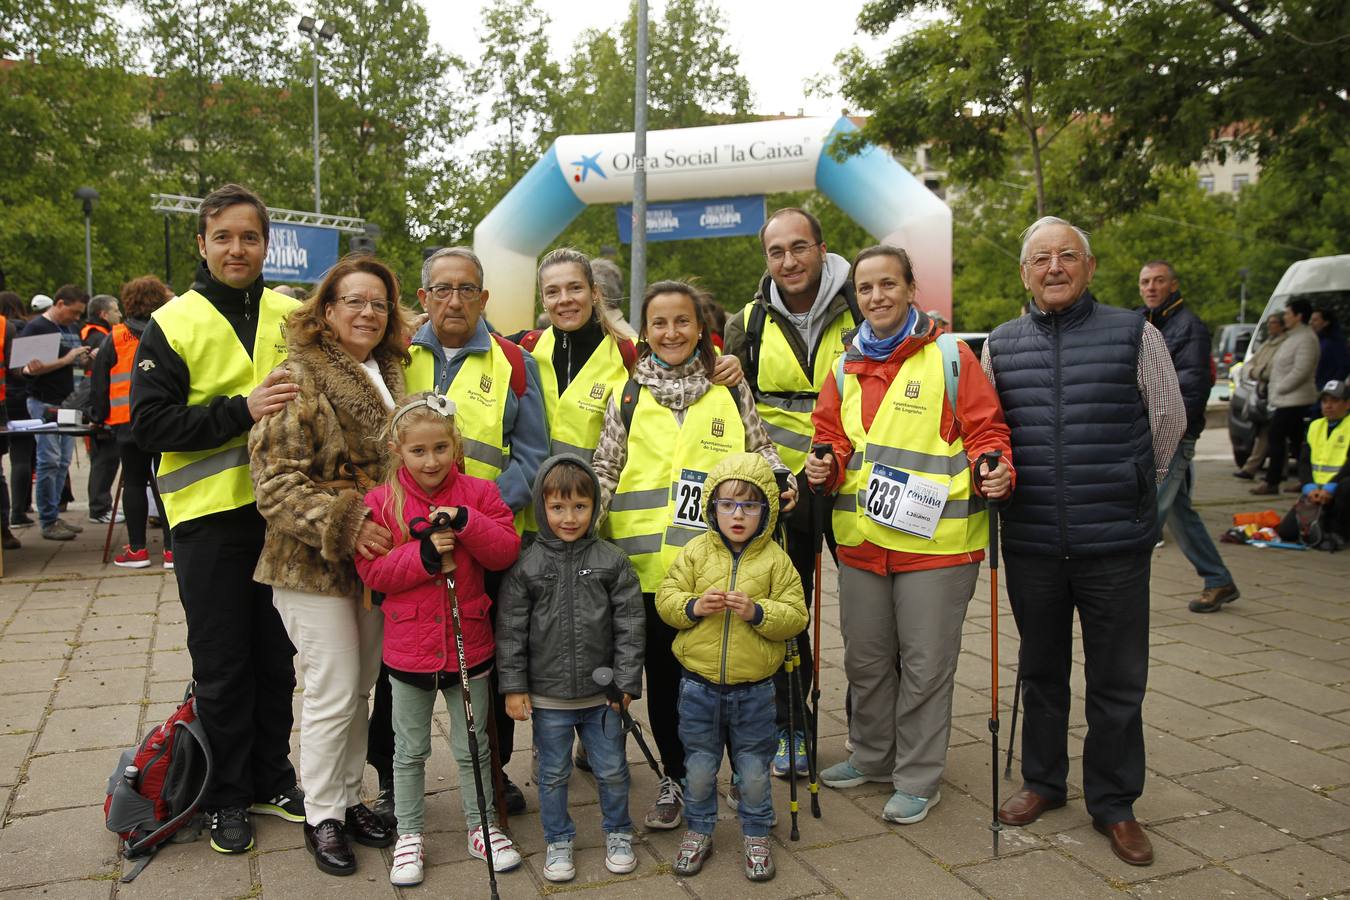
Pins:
<point x="572" y="604"/>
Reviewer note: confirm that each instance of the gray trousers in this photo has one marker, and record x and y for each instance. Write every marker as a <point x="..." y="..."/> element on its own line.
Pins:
<point x="901" y="723"/>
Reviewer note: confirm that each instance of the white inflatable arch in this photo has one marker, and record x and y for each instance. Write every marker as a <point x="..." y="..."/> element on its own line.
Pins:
<point x="715" y="161"/>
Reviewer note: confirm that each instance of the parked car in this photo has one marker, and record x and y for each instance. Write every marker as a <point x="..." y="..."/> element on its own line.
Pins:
<point x="974" y="339"/>
<point x="1230" y="346"/>
<point x="1323" y="281"/>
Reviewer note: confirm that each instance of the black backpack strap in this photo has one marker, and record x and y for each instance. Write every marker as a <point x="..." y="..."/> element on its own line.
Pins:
<point x="628" y="403"/>
<point x="754" y="333"/>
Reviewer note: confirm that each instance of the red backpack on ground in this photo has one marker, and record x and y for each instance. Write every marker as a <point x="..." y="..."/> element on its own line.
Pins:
<point x="158" y="785"/>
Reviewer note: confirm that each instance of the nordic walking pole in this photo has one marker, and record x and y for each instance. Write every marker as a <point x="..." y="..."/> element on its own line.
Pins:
<point x="991" y="461"/>
<point x="604" y="676"/>
<point x="789" y="665"/>
<point x="1012" y="733"/>
<point x="112" y="519"/>
<point x="818" y="513"/>
<point x="440" y="523"/>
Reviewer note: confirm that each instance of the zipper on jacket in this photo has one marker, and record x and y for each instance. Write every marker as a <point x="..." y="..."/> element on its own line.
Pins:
<point x="567" y="598"/>
<point x="726" y="618"/>
<point x="248" y="306"/>
<point x="1060" y="486"/>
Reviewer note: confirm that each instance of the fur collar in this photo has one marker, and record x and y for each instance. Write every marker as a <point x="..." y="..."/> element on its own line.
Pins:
<point x="340" y="378"/>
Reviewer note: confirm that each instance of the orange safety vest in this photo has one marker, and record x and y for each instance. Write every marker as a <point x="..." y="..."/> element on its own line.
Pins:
<point x="119" y="380"/>
<point x="92" y="326"/>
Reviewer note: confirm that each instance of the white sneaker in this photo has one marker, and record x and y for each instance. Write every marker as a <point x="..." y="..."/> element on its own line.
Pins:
<point x="505" y="856"/>
<point x="407" y="867"/>
<point x="619" y="857"/>
<point x="558" y="862"/>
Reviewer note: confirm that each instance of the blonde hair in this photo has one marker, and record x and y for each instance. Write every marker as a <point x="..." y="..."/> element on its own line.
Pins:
<point x="395" y="433"/>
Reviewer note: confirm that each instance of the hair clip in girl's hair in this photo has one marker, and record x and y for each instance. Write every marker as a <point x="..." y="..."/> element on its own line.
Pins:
<point x="432" y="401"/>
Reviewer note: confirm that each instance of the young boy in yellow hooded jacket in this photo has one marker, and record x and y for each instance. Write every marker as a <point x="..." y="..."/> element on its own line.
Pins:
<point x="735" y="597"/>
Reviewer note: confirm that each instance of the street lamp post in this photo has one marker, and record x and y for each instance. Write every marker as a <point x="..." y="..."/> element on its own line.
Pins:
<point x="87" y="196"/>
<point x="638" y="276"/>
<point x="322" y="33"/>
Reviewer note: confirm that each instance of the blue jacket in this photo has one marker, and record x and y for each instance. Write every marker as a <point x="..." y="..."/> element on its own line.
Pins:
<point x="524" y="426"/>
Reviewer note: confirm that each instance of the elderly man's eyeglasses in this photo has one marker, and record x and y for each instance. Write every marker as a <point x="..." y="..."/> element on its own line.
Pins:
<point x="797" y="251"/>
<point x="356" y="303"/>
<point x="752" y="509"/>
<point x="467" y="292"/>
<point x="1041" y="261"/>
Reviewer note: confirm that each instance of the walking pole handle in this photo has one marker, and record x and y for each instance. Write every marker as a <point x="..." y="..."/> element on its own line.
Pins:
<point x="991" y="461"/>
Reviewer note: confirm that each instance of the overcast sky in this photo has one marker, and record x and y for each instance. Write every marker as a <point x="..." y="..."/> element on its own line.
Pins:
<point x="782" y="43"/>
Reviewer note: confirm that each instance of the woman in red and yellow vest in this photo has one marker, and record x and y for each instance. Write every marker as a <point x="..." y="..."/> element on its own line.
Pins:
<point x="110" y="395"/>
<point x="906" y="433"/>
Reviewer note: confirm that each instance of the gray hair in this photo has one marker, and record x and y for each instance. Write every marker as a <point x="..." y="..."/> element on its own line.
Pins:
<point x="1042" y="222"/>
<point x="442" y="253"/>
<point x="101" y="303"/>
<point x="609" y="278"/>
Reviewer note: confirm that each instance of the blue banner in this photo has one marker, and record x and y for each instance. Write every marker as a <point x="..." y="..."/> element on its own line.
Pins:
<point x="687" y="219"/>
<point x="300" y="253"/>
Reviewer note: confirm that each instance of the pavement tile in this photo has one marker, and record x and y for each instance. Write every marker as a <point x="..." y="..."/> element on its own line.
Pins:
<point x="1193" y="688"/>
<point x="296" y="870"/>
<point x="128" y="604"/>
<point x="457" y="876"/>
<point x="63" y="620"/>
<point x="34" y="646"/>
<point x="30" y="675"/>
<point x="1225" y="835"/>
<point x="132" y="585"/>
<point x="22" y="712"/>
<point x="1207" y="882"/>
<point x="1171" y="755"/>
<point x="1034" y="876"/>
<point x="1281" y="757"/>
<point x="1298" y="871"/>
<point x="1280" y="718"/>
<point x="13" y="751"/>
<point x="1272" y="800"/>
<point x="1197" y="634"/>
<point x="1293" y="690"/>
<point x="59" y="598"/>
<point x="100" y="688"/>
<point x="855" y="869"/>
<point x="65" y="779"/>
<point x="36" y="849"/>
<point x="116" y="628"/>
<point x="1316" y="626"/>
<point x="84" y="729"/>
<point x="183" y="872"/>
<point x="1305" y="667"/>
<point x="1094" y="850"/>
<point x="103" y="655"/>
<point x="1164" y="799"/>
<point x="957" y="831"/>
<point x="1304" y="645"/>
<point x="171" y="665"/>
<point x="1198" y="659"/>
<point x="1186" y="720"/>
<point x="1338" y="844"/>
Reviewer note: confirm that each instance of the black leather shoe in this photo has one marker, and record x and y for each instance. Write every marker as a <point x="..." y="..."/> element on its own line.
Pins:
<point x="367" y="828"/>
<point x="515" y="798"/>
<point x="328" y="843"/>
<point x="384" y="804"/>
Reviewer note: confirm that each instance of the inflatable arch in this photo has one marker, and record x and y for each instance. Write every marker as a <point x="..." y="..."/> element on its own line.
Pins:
<point x="715" y="161"/>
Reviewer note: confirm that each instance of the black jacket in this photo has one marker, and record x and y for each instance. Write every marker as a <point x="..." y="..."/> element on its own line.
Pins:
<point x="565" y="609"/>
<point x="1069" y="386"/>
<point x="1187" y="341"/>
<point x="160" y="416"/>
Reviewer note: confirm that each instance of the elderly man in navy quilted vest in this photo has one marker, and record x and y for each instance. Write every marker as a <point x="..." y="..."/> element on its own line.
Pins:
<point x="1091" y="397"/>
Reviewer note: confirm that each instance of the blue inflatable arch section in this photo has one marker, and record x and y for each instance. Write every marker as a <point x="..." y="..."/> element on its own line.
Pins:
<point x="872" y="188"/>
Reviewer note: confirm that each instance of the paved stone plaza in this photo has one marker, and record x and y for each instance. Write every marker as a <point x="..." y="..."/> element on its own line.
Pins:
<point x="1247" y="723"/>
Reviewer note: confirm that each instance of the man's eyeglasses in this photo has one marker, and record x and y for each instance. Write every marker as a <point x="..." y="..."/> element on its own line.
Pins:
<point x="1041" y="261"/>
<point x="355" y="303"/>
<point x="797" y="250"/>
<point x="752" y="509"/>
<point x="467" y="292"/>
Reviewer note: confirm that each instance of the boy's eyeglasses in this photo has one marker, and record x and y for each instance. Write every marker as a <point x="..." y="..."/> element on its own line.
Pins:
<point x="752" y="509"/>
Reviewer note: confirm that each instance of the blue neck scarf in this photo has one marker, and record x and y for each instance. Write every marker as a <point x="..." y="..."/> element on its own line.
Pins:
<point x="880" y="349"/>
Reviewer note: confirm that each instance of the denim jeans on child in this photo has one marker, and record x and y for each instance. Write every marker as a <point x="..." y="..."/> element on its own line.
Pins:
<point x="602" y="736"/>
<point x="740" y="717"/>
<point x="1174" y="506"/>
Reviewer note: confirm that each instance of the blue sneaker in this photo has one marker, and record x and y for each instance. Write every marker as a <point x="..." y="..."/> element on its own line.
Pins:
<point x="803" y="764"/>
<point x="906" y="809"/>
<point x="843" y="775"/>
<point x="780" y="758"/>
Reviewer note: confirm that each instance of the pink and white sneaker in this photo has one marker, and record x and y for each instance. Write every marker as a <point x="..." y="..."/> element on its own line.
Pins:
<point x="505" y="856"/>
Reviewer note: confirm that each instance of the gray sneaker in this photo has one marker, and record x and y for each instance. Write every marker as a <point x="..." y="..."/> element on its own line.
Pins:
<point x="668" y="810"/>
<point x="57" y="531"/>
<point x="758" y="860"/>
<point x="693" y="853"/>
<point x="558" y="862"/>
<point x="72" y="526"/>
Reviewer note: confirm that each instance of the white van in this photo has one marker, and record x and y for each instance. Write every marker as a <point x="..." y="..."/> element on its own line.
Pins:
<point x="1323" y="281"/>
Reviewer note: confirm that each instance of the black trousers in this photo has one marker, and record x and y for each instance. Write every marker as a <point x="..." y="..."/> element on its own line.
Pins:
<point x="138" y="472"/>
<point x="103" y="461"/>
<point x="1110" y="595"/>
<point x="242" y="660"/>
<point x="663" y="690"/>
<point x="22" y="459"/>
<point x="1286" y="439"/>
<point x="801" y="548"/>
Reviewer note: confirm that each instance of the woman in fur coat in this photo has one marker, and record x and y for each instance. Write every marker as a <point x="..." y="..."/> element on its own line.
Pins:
<point x="312" y="463"/>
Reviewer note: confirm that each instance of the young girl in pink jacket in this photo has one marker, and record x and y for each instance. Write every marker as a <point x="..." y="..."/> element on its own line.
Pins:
<point x="419" y="645"/>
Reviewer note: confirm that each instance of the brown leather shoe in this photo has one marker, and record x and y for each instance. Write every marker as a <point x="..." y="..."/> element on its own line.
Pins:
<point x="1261" y="489"/>
<point x="1025" y="807"/>
<point x="1128" y="841"/>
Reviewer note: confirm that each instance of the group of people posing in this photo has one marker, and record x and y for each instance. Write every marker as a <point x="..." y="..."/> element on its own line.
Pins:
<point x="653" y="510"/>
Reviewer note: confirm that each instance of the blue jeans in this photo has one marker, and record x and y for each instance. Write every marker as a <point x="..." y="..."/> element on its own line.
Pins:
<point x="602" y="736"/>
<point x="1174" y="499"/>
<point x="53" y="462"/>
<point x="743" y="719"/>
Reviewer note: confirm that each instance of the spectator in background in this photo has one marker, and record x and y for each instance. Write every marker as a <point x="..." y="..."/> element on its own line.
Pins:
<point x="22" y="448"/>
<point x="609" y="279"/>
<point x="52" y="382"/>
<point x="715" y="314"/>
<point x="1292" y="388"/>
<point x="103" y="458"/>
<point x="1334" y="363"/>
<point x="1257" y="370"/>
<point x="9" y="326"/>
<point x="41" y="303"/>
<point x="1324" y="473"/>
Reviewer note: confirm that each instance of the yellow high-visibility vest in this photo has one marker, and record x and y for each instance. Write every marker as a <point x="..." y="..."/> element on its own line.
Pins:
<point x="1327" y="452"/>
<point x="906" y="436"/>
<point x="198" y="483"/>
<point x="657" y="506"/>
<point x="576" y="416"/>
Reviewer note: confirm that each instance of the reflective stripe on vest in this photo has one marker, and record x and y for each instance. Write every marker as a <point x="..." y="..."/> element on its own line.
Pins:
<point x="124" y="344"/>
<point x="788" y="419"/>
<point x="198" y="483"/>
<point x="642" y="512"/>
<point x="906" y="435"/>
<point x="1327" y="452"/>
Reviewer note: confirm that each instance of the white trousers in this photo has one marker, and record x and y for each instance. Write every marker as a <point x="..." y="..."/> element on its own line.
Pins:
<point x="338" y="643"/>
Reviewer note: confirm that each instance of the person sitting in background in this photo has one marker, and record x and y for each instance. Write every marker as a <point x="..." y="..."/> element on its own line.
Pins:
<point x="1257" y="370"/>
<point x="1324" y="473"/>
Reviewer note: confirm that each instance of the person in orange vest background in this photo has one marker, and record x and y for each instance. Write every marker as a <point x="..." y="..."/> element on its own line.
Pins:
<point x="11" y="318"/>
<point x="103" y="315"/>
<point x="110" y="399"/>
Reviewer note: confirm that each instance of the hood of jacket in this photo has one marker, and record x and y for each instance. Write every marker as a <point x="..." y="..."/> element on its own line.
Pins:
<point x="546" y="534"/>
<point x="748" y="467"/>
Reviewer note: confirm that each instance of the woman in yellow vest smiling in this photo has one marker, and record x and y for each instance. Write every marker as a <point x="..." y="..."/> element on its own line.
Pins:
<point x="662" y="434"/>
<point x="907" y="436"/>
